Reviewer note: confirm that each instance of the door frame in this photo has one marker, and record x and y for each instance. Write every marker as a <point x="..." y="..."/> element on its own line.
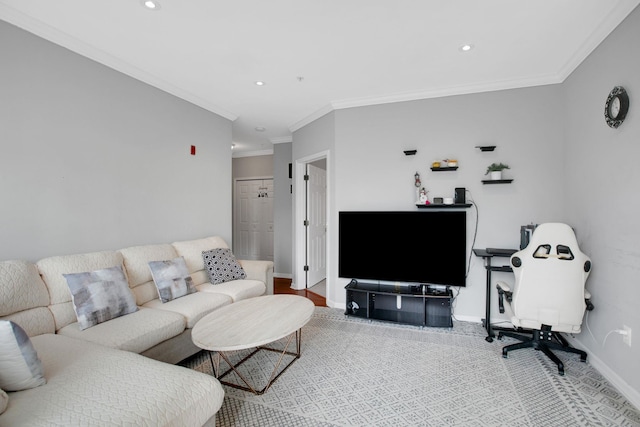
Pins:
<point x="299" y="232"/>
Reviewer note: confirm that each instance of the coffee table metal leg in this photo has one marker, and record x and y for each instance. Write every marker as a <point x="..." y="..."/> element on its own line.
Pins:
<point x="273" y="377"/>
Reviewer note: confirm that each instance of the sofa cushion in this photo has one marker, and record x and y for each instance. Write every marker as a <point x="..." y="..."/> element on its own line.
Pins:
<point x="24" y="297"/>
<point x="101" y="295"/>
<point x="134" y="332"/>
<point x="171" y="278"/>
<point x="90" y="385"/>
<point x="21" y="287"/>
<point x="222" y="266"/>
<point x="20" y="367"/>
<point x="136" y="263"/>
<point x="192" y="250"/>
<point x="194" y="306"/>
<point x="236" y="289"/>
<point x="52" y="270"/>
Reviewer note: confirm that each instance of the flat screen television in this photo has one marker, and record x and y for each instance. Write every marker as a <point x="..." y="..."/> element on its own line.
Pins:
<point x="417" y="247"/>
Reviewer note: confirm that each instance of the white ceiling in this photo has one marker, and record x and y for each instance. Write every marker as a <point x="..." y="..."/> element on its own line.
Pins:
<point x="348" y="52"/>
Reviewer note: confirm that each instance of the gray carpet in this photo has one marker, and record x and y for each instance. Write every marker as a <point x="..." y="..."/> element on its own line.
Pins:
<point x="353" y="372"/>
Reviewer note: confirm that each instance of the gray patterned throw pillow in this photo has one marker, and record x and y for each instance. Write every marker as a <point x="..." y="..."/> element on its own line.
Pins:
<point x="100" y="295"/>
<point x="222" y="266"/>
<point x="172" y="279"/>
<point x="20" y="367"/>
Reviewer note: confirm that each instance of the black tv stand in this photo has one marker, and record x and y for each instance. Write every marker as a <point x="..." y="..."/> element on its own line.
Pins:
<point x="421" y="305"/>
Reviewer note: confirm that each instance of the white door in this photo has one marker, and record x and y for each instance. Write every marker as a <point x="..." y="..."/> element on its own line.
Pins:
<point x="253" y="219"/>
<point x="317" y="229"/>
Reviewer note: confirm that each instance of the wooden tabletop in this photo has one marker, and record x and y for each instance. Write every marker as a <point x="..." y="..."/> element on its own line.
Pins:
<point x="252" y="322"/>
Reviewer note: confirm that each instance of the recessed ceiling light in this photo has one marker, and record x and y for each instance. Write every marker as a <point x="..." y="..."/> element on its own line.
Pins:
<point x="151" y="4"/>
<point x="260" y="128"/>
<point x="466" y="47"/>
<point x="260" y="83"/>
<point x="233" y="146"/>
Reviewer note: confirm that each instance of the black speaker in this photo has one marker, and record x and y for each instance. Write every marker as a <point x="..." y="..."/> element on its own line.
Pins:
<point x="459" y="196"/>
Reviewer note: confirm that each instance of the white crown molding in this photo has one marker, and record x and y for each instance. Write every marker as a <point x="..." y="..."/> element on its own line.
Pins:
<point x="281" y="140"/>
<point x="73" y="44"/>
<point x="238" y="154"/>
<point x="606" y="27"/>
<point x="310" y="118"/>
<point x="437" y="93"/>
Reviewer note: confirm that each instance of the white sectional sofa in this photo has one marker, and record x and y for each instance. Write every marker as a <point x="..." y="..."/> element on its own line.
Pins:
<point x="99" y="375"/>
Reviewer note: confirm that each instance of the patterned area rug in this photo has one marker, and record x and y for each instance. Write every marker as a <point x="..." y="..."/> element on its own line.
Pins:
<point x="354" y="372"/>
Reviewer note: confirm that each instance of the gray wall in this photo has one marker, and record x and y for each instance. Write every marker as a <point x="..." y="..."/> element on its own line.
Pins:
<point x="282" y="211"/>
<point x="373" y="173"/>
<point x="92" y="159"/>
<point x="567" y="165"/>
<point x="602" y="178"/>
<point x="314" y="139"/>
<point x="252" y="167"/>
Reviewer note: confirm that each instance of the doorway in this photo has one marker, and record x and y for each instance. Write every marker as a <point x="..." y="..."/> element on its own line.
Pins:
<point x="253" y="219"/>
<point x="316" y="221"/>
<point x="311" y="244"/>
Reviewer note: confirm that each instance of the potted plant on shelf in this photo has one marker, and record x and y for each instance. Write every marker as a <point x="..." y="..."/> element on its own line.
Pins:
<point x="495" y="169"/>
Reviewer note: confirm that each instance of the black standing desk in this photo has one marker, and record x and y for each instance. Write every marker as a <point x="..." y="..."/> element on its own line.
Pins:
<point x="488" y="257"/>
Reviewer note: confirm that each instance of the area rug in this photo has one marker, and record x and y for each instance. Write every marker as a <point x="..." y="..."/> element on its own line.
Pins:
<point x="355" y="372"/>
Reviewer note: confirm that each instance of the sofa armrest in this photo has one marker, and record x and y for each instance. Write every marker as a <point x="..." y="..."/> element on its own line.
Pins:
<point x="259" y="270"/>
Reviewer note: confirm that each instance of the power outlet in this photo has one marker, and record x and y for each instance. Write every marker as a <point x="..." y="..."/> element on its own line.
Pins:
<point x="626" y="338"/>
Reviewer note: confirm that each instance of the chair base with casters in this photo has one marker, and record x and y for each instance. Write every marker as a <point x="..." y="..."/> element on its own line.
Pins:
<point x="544" y="340"/>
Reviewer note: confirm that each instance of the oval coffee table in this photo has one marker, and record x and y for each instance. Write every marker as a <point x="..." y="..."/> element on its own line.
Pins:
<point x="250" y="323"/>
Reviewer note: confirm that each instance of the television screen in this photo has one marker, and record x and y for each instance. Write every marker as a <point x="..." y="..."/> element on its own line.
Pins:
<point x="424" y="247"/>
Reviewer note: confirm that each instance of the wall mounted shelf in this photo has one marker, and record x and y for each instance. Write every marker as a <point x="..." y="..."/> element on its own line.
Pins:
<point x="497" y="181"/>
<point x="449" y="168"/>
<point x="443" y="206"/>
<point x="486" y="147"/>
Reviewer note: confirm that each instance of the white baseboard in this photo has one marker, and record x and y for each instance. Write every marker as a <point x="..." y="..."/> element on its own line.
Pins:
<point x="621" y="385"/>
<point x="283" y="275"/>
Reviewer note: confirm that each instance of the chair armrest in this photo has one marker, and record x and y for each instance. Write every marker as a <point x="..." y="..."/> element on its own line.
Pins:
<point x="504" y="290"/>
<point x="259" y="270"/>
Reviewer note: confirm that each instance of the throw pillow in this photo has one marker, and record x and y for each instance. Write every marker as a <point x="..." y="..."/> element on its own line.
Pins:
<point x="172" y="279"/>
<point x="100" y="295"/>
<point x="4" y="400"/>
<point x="20" y="367"/>
<point x="222" y="266"/>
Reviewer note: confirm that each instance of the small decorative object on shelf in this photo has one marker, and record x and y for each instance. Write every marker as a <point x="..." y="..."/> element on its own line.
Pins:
<point x="444" y="165"/>
<point x="417" y="184"/>
<point x="495" y="169"/>
<point x="423" y="199"/>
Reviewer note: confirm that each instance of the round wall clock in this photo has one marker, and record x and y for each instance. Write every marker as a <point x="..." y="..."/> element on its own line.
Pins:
<point x="616" y="107"/>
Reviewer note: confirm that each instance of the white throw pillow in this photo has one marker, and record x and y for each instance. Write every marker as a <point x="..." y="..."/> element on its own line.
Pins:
<point x="222" y="266"/>
<point x="100" y="295"/>
<point x="20" y="367"/>
<point x="172" y="279"/>
<point x="4" y="400"/>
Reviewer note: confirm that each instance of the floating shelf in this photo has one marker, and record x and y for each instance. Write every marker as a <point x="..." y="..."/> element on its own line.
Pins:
<point x="449" y="168"/>
<point x="497" y="181"/>
<point x="486" y="147"/>
<point x="442" y="205"/>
